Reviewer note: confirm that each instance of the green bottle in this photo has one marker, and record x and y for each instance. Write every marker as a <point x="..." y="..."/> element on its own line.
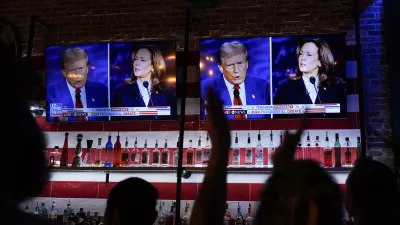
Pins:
<point x="338" y="152"/>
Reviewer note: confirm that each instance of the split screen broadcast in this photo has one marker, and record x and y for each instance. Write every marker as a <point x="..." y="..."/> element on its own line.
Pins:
<point x="256" y="78"/>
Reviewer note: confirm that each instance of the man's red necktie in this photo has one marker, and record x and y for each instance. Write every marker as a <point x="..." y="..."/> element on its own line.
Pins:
<point x="79" y="104"/>
<point x="237" y="101"/>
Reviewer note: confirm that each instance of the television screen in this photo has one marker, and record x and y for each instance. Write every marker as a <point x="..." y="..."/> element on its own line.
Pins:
<point x="275" y="77"/>
<point x="111" y="81"/>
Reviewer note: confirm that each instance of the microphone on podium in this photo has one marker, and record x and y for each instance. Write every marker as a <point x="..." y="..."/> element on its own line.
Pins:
<point x="146" y="85"/>
<point x="312" y="80"/>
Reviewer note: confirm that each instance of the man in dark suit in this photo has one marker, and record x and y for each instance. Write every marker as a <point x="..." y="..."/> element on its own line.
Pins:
<point x="76" y="91"/>
<point x="233" y="86"/>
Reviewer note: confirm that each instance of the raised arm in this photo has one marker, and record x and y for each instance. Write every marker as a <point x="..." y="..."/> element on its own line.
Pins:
<point x="209" y="207"/>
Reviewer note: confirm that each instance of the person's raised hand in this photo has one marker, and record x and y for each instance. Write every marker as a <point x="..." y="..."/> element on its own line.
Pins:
<point x="285" y="152"/>
<point x="217" y="124"/>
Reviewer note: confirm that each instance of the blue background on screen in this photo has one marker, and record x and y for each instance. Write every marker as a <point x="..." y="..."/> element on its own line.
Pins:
<point x="121" y="60"/>
<point x="98" y="62"/>
<point x="284" y="60"/>
<point x="258" y="50"/>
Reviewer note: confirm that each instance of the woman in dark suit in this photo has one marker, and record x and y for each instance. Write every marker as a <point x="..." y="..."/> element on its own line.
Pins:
<point x="145" y="87"/>
<point x="314" y="81"/>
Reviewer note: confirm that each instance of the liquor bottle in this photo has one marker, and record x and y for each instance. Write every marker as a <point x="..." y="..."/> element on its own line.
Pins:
<point x="87" y="219"/>
<point x="43" y="212"/>
<point x="67" y="213"/>
<point x="175" y="155"/>
<point x="259" y="151"/>
<point x="186" y="217"/>
<point x="88" y="160"/>
<point x="64" y="154"/>
<point x="108" y="158"/>
<point x="37" y="210"/>
<point x="347" y="152"/>
<point x="327" y="153"/>
<point x="26" y="208"/>
<point x="125" y="156"/>
<point x="190" y="154"/>
<point x="227" y="216"/>
<point x="249" y="217"/>
<point x="206" y="151"/>
<point x="236" y="152"/>
<point x="81" y="215"/>
<point x="135" y="154"/>
<point x="165" y="155"/>
<point x="171" y="215"/>
<point x="249" y="152"/>
<point x="161" y="219"/>
<point x="117" y="153"/>
<point x="358" y="150"/>
<point x="239" y="217"/>
<point x="145" y="155"/>
<point x="97" y="154"/>
<point x="307" y="153"/>
<point x="271" y="149"/>
<point x="156" y="155"/>
<point x="53" y="212"/>
<point x="199" y="153"/>
<point x="317" y="151"/>
<point x="77" y="162"/>
<point x="95" y="219"/>
<point x="338" y="152"/>
<point x="55" y="157"/>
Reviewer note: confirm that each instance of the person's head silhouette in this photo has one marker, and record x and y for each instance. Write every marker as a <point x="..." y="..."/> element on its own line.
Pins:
<point x="23" y="170"/>
<point x="301" y="193"/>
<point x="372" y="196"/>
<point x="131" y="201"/>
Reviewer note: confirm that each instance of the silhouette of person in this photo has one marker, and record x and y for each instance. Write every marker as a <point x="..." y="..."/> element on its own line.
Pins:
<point x="131" y="201"/>
<point x="23" y="170"/>
<point x="372" y="196"/>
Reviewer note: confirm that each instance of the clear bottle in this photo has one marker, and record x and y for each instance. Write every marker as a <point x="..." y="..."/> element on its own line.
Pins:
<point x="78" y="151"/>
<point x="271" y="149"/>
<point x="43" y="212"/>
<point x="249" y="152"/>
<point x="328" y="161"/>
<point x="227" y="216"/>
<point x="249" y="217"/>
<point x="165" y="155"/>
<point x="108" y="153"/>
<point x="161" y="218"/>
<point x="53" y="212"/>
<point x="37" y="210"/>
<point x="347" y="152"/>
<point x="97" y="154"/>
<point x="87" y="219"/>
<point x="186" y="217"/>
<point x="55" y="157"/>
<point x="117" y="153"/>
<point x="126" y="155"/>
<point x="135" y="154"/>
<point x="308" y="153"/>
<point x="175" y="156"/>
<point x="206" y="152"/>
<point x="236" y="152"/>
<point x="190" y="154"/>
<point x="239" y="216"/>
<point x="145" y="155"/>
<point x="88" y="160"/>
<point x="199" y="153"/>
<point x="67" y="213"/>
<point x="338" y="151"/>
<point x="156" y="155"/>
<point x="259" y="151"/>
<point x="64" y="155"/>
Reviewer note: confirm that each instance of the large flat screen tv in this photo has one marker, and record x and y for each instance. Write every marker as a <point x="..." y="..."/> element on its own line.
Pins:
<point x="276" y="77"/>
<point x="111" y="81"/>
